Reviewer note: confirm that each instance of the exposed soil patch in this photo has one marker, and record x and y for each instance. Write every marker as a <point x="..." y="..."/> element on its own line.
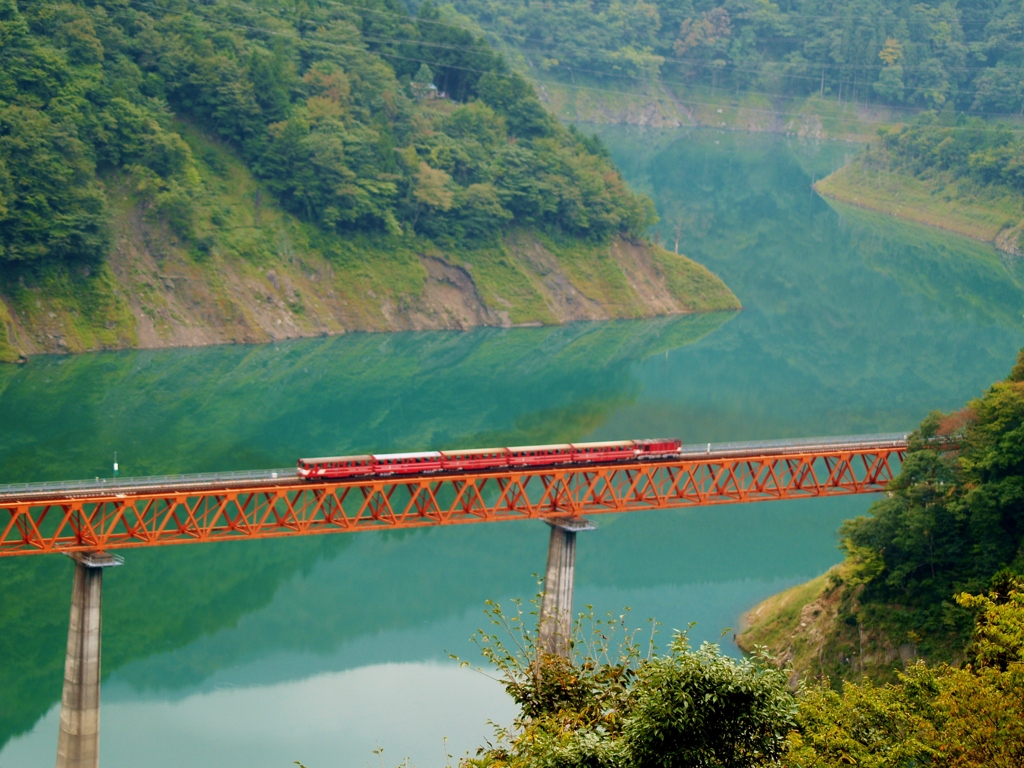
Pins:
<point x="449" y="300"/>
<point x="565" y="300"/>
<point x="644" y="277"/>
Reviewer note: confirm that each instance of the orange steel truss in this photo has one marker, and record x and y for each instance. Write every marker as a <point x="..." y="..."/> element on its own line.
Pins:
<point x="88" y="521"/>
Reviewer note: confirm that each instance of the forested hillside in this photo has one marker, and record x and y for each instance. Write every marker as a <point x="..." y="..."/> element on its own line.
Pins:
<point x="952" y="521"/>
<point x="966" y="53"/>
<point x="220" y="129"/>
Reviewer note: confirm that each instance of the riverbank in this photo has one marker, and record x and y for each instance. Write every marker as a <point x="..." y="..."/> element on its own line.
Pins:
<point x="263" y="275"/>
<point x="991" y="214"/>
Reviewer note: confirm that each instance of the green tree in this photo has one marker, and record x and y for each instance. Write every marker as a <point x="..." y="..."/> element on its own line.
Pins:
<point x="52" y="207"/>
<point x="702" y="709"/>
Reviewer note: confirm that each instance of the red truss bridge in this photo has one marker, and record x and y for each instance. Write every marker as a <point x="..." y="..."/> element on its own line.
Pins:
<point x="106" y="515"/>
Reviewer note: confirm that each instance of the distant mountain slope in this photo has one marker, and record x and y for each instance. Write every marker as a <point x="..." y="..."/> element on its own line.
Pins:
<point x="203" y="172"/>
<point x="922" y="55"/>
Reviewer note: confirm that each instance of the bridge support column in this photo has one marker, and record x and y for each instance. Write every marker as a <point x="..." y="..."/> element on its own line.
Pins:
<point x="78" y="744"/>
<point x="556" y="616"/>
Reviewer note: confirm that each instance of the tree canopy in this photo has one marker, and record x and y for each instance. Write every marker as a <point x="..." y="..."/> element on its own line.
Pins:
<point x="317" y="99"/>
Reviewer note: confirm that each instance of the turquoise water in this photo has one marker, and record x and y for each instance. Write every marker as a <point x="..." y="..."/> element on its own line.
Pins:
<point x="321" y="650"/>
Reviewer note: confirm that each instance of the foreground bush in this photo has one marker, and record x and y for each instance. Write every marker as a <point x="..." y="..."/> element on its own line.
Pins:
<point x="617" y="707"/>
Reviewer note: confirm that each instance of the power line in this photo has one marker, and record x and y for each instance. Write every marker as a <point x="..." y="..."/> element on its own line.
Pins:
<point x="291" y="32"/>
<point x="540" y="51"/>
<point x="672" y="59"/>
<point x="667" y="81"/>
<point x="670" y="99"/>
<point x="866" y="18"/>
<point x="661" y="79"/>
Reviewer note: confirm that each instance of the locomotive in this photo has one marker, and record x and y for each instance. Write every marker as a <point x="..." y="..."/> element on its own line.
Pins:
<point x="526" y="456"/>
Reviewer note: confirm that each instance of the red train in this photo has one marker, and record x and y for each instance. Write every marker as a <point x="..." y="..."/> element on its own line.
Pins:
<point x="426" y="462"/>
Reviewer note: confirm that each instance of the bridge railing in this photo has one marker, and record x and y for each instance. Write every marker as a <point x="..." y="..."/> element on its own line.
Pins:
<point x="794" y="445"/>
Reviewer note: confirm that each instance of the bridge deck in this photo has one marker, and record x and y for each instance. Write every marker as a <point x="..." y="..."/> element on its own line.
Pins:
<point x="100" y="515"/>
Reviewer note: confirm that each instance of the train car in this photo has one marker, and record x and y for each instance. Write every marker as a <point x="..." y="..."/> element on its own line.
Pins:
<point x="474" y="458"/>
<point x="335" y="466"/>
<point x="590" y="453"/>
<point x="539" y="455"/>
<point x="406" y="463"/>
<point x="657" y="448"/>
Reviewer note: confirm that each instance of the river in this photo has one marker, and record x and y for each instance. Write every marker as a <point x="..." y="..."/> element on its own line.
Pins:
<point x="323" y="650"/>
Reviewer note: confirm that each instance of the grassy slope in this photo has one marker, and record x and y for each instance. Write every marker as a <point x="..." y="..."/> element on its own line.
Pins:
<point x="264" y="275"/>
<point x="940" y="201"/>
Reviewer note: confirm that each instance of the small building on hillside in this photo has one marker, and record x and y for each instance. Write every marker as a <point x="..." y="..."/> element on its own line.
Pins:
<point x="422" y="85"/>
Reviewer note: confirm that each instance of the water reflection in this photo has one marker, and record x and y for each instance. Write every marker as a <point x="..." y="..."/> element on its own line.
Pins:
<point x="853" y="321"/>
<point x="243" y="407"/>
<point x="411" y="708"/>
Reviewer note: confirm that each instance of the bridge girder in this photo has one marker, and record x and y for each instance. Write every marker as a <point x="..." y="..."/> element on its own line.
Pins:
<point x="105" y="521"/>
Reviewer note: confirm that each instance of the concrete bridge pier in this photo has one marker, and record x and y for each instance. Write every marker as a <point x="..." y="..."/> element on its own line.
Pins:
<point x="78" y="744"/>
<point x="556" y="615"/>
